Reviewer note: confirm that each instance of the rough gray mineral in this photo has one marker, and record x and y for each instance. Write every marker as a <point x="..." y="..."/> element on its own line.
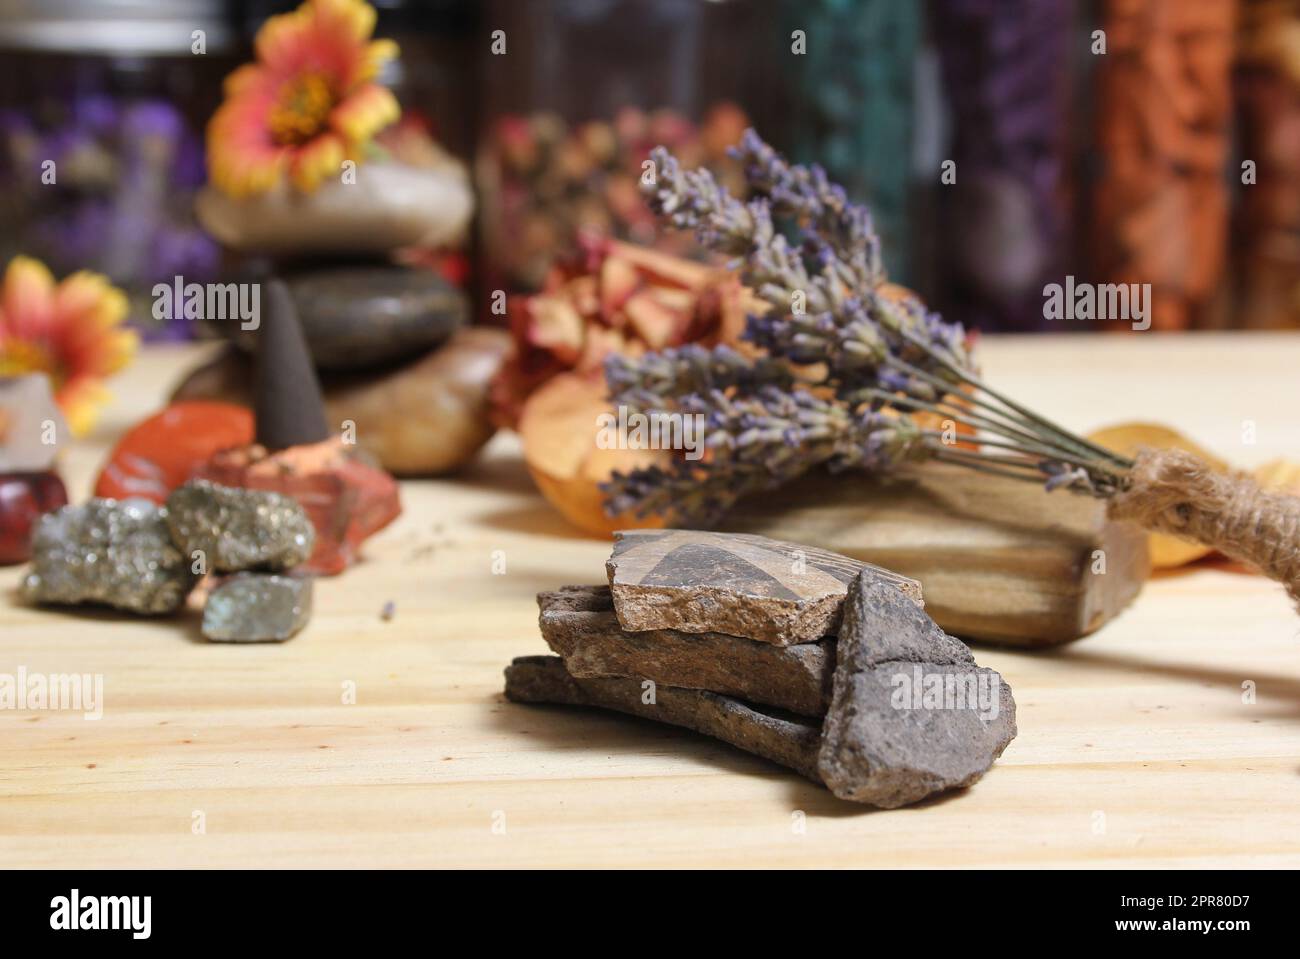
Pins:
<point x="238" y="529"/>
<point x="790" y="742"/>
<point x="578" y="622"/>
<point x="257" y="608"/>
<point x="734" y="583"/>
<point x="911" y="713"/>
<point x="119" y="553"/>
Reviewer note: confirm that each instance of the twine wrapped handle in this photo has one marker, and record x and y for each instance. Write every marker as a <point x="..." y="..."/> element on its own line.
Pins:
<point x="1171" y="491"/>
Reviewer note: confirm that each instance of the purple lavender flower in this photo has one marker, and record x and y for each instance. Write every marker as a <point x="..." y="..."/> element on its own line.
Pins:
<point x="121" y="203"/>
<point x="647" y="382"/>
<point x="827" y="295"/>
<point x="95" y="114"/>
<point x="834" y="225"/>
<point x="846" y="359"/>
<point x="758" y="442"/>
<point x="833" y="339"/>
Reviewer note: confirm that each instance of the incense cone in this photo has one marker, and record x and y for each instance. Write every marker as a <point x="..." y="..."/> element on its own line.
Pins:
<point x="288" y="404"/>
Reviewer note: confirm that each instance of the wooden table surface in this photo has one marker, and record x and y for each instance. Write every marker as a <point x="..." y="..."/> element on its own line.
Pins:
<point x="1135" y="745"/>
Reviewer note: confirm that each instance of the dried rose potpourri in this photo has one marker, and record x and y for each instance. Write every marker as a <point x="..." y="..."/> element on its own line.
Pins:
<point x="846" y="361"/>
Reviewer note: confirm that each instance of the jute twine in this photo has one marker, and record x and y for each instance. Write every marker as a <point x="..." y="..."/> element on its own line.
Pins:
<point x="1170" y="491"/>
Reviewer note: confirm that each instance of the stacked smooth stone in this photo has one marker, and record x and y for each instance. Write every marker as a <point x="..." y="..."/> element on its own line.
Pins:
<point x="386" y="332"/>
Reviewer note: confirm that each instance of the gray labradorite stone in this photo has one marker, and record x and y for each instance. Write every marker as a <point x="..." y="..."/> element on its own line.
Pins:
<point x="257" y="608"/>
<point x="117" y="553"/>
<point x="238" y="529"/>
<point x="354" y="317"/>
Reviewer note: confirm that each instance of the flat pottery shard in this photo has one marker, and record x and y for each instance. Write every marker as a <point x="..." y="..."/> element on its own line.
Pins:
<point x="115" y="552"/>
<point x="911" y="713"/>
<point x="579" y="624"/>
<point x="257" y="608"/>
<point x="734" y="583"/>
<point x="238" y="529"/>
<point x="790" y="742"/>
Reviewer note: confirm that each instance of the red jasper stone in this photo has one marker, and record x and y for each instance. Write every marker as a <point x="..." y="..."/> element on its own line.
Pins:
<point x="24" y="497"/>
<point x="346" y="499"/>
<point x="160" y="453"/>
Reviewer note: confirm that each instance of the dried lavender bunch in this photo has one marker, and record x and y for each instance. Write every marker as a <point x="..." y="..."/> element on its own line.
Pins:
<point x="847" y="360"/>
<point x="830" y="301"/>
<point x="644" y="384"/>
<point x="878" y="359"/>
<point x="758" y="441"/>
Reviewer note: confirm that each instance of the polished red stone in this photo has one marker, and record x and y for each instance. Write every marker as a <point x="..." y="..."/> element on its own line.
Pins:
<point x="160" y="453"/>
<point x="347" y="500"/>
<point x="24" y="497"/>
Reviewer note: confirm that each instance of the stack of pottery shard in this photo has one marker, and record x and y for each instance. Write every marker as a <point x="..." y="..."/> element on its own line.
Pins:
<point x="386" y="336"/>
<point x="813" y="660"/>
<point x="137" y="556"/>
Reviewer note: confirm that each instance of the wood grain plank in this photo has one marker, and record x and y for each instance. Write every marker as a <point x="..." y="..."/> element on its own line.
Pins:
<point x="1142" y="722"/>
<point x="998" y="560"/>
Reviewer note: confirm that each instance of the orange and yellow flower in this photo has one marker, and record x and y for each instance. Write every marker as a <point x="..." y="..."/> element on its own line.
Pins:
<point x="308" y="103"/>
<point x="71" y="331"/>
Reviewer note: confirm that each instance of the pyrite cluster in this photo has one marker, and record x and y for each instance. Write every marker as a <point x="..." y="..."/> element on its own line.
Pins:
<point x="137" y="556"/>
